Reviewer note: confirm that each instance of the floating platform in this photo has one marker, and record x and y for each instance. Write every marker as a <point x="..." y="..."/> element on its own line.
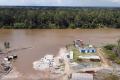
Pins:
<point x="8" y="58"/>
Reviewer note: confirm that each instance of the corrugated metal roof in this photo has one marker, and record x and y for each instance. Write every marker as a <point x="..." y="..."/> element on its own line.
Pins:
<point x="89" y="57"/>
<point x="82" y="76"/>
<point x="87" y="48"/>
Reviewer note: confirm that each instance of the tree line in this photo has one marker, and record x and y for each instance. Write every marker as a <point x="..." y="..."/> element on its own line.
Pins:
<point x="59" y="18"/>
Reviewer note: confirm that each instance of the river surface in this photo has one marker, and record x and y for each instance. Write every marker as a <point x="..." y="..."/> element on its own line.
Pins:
<point x="48" y="41"/>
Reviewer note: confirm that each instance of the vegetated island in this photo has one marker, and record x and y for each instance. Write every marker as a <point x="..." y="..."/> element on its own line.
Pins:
<point x="59" y="17"/>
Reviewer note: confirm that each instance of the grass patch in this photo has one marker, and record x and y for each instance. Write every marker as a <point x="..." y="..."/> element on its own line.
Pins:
<point x="95" y="47"/>
<point x="77" y="54"/>
<point x="63" y="65"/>
<point x="60" y="60"/>
<point x="105" y="52"/>
<point x="73" y="48"/>
<point x="62" y="69"/>
<point x="85" y="46"/>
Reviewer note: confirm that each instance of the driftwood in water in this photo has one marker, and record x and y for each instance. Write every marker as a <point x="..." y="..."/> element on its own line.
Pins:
<point x="15" y="50"/>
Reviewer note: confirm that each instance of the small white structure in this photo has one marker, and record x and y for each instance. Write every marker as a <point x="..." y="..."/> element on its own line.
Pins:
<point x="82" y="76"/>
<point x="10" y="57"/>
<point x="89" y="57"/>
<point x="71" y="54"/>
<point x="48" y="58"/>
<point x="90" y="46"/>
<point x="6" y="58"/>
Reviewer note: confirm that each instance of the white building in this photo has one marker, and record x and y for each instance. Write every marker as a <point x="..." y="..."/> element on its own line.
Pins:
<point x="89" y="57"/>
<point x="48" y="58"/>
<point x="71" y="54"/>
<point x="90" y="46"/>
<point x="82" y="76"/>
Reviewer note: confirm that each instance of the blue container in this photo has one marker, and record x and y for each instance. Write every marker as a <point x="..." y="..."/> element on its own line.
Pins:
<point x="67" y="56"/>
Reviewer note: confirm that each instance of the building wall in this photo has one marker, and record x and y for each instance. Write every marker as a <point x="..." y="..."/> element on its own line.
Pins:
<point x="88" y="51"/>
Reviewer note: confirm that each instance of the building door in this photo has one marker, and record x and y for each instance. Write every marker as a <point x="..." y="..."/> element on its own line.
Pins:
<point x="88" y="51"/>
<point x="92" y="50"/>
<point x="83" y="51"/>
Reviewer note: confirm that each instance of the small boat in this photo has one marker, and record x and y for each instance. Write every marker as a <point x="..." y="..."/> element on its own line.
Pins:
<point x="10" y="57"/>
<point x="14" y="56"/>
<point x="7" y="58"/>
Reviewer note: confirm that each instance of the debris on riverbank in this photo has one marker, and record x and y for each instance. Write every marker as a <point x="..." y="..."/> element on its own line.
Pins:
<point x="52" y="64"/>
<point x="12" y="75"/>
<point x="15" y="50"/>
<point x="7" y="71"/>
<point x="19" y="49"/>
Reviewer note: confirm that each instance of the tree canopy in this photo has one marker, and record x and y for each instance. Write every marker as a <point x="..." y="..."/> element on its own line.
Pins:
<point x="61" y="18"/>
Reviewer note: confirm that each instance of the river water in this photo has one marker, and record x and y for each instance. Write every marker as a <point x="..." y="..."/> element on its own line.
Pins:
<point x="48" y="41"/>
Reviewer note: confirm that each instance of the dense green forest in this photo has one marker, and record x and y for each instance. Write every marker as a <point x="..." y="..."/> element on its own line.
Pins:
<point x="59" y="18"/>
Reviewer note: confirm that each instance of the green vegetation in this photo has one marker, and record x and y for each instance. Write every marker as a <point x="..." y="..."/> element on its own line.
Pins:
<point x="73" y="48"/>
<point x="77" y="54"/>
<point x="112" y="77"/>
<point x="113" y="51"/>
<point x="61" y="60"/>
<point x="59" y="18"/>
<point x="62" y="69"/>
<point x="6" y="44"/>
<point x="85" y="46"/>
<point x="63" y="65"/>
<point x="95" y="47"/>
<point x="109" y="46"/>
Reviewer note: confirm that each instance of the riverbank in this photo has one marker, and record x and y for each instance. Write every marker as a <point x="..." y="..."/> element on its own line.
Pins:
<point x="57" y="68"/>
<point x="52" y="73"/>
<point x="14" y="74"/>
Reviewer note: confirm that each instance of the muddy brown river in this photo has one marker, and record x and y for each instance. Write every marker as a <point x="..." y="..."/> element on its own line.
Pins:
<point x="48" y="41"/>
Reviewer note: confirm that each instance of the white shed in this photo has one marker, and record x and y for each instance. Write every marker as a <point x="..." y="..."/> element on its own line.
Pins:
<point x="71" y="54"/>
<point x="48" y="58"/>
<point x="90" y="46"/>
<point x="82" y="76"/>
<point x="89" y="57"/>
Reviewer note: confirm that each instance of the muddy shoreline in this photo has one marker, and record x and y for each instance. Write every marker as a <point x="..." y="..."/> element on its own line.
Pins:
<point x="15" y="74"/>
